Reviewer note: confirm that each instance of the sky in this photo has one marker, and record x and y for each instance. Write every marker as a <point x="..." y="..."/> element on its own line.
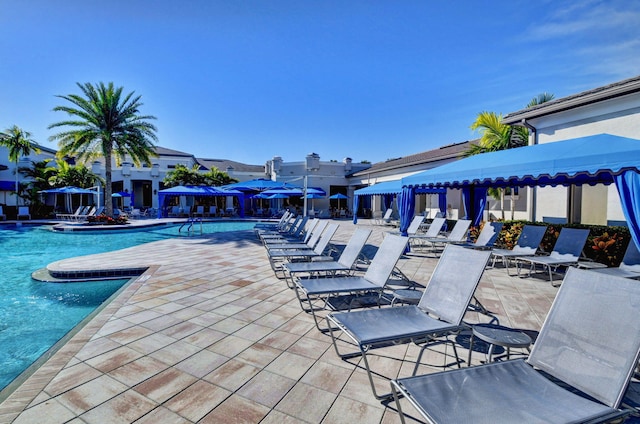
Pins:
<point x="370" y="80"/>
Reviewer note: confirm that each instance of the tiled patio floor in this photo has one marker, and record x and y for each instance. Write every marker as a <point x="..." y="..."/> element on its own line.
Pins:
<point x="209" y="335"/>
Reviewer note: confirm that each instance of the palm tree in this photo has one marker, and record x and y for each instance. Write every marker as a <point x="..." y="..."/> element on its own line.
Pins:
<point x="20" y="144"/>
<point x="498" y="136"/>
<point x="216" y="177"/>
<point x="182" y="175"/>
<point x="107" y="124"/>
<point x="74" y="175"/>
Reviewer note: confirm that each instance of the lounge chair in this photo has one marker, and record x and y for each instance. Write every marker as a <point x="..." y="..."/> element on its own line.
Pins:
<point x="199" y="211"/>
<point x="630" y="265"/>
<point x="457" y="235"/>
<point x="175" y="211"/>
<point x="212" y="211"/>
<point x="566" y="251"/>
<point x="577" y="372"/>
<point x="438" y="314"/>
<point x="433" y="231"/>
<point x="287" y="228"/>
<point x="374" y="281"/>
<point x="278" y="256"/>
<point x="311" y="237"/>
<point x="71" y="216"/>
<point x="271" y="225"/>
<point x="23" y="212"/>
<point x="527" y="245"/>
<point x="345" y="262"/>
<point x="414" y="226"/>
<point x="2" y="214"/>
<point x="295" y="232"/>
<point x="487" y="237"/>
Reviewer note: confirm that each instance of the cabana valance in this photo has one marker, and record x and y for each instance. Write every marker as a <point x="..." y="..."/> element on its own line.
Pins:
<point x="197" y="191"/>
<point x="391" y="188"/>
<point x="602" y="158"/>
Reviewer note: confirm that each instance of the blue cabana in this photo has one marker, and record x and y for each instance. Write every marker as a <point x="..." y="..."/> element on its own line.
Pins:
<point x="602" y="158"/>
<point x="200" y="191"/>
<point x="388" y="189"/>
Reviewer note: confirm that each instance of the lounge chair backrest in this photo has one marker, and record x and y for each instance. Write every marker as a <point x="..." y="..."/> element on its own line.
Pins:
<point x="297" y="231"/>
<point x="530" y="239"/>
<point x="325" y="238"/>
<point x="308" y="231"/>
<point x="591" y="337"/>
<point x="570" y="242"/>
<point x="387" y="215"/>
<point x="385" y="260"/>
<point x="99" y="210"/>
<point x="630" y="262"/>
<point x="459" y="231"/>
<point x="415" y="224"/>
<point x="354" y="247"/>
<point x="453" y="282"/>
<point x="92" y="211"/>
<point x="23" y="210"/>
<point x="489" y="234"/>
<point x="435" y="227"/>
<point x="200" y="209"/>
<point x="316" y="233"/>
<point x="292" y="224"/>
<point x="1" y="211"/>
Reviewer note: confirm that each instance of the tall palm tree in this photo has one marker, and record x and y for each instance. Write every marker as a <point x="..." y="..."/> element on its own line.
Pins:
<point x="20" y="144"/>
<point x="106" y="124"/>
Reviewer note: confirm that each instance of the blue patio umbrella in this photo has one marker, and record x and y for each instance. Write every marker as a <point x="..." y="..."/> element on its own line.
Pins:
<point x="68" y="191"/>
<point x="277" y="196"/>
<point x="313" y="196"/>
<point x="259" y="184"/>
<point x="338" y="196"/>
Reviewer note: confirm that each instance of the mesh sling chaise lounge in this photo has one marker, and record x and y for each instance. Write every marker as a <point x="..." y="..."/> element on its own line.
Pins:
<point x="414" y="226"/>
<point x="439" y="313"/>
<point x="295" y="231"/>
<point x="527" y="245"/>
<point x="566" y="251"/>
<point x="312" y="290"/>
<point x="345" y="262"/>
<point x="487" y="237"/>
<point x="278" y="256"/>
<point x="590" y="341"/>
<point x="271" y="225"/>
<point x="457" y="235"/>
<point x="630" y="265"/>
<point x="312" y="235"/>
<point x="433" y="231"/>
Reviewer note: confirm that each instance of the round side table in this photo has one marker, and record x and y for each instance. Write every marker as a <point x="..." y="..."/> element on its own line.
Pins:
<point x="498" y="335"/>
<point x="411" y="297"/>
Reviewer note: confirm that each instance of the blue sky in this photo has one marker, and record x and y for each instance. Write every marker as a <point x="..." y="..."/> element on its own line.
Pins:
<point x="371" y="80"/>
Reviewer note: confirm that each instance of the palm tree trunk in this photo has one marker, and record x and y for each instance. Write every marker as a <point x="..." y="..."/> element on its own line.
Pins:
<point x="108" y="191"/>
<point x="502" y="202"/>
<point x="513" y="205"/>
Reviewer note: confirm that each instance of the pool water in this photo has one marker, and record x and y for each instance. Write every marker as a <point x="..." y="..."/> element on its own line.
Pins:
<point x="35" y="315"/>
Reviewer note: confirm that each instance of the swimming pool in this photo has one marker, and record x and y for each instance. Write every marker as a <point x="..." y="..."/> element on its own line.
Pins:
<point x="35" y="315"/>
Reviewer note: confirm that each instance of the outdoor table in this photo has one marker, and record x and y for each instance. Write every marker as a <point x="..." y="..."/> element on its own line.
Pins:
<point x="498" y="335"/>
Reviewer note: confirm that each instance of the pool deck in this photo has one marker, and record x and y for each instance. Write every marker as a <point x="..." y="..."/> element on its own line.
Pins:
<point x="208" y="334"/>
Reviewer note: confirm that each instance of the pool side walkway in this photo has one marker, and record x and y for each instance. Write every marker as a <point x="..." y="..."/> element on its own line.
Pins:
<point x="208" y="334"/>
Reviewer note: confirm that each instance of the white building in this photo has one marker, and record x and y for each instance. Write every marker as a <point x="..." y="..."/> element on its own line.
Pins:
<point x="612" y="109"/>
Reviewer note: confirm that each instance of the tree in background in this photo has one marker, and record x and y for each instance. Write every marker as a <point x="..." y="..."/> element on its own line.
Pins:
<point x="498" y="136"/>
<point x="216" y="177"/>
<point x="105" y="124"/>
<point x="74" y="175"/>
<point x="181" y="175"/>
<point x="20" y="144"/>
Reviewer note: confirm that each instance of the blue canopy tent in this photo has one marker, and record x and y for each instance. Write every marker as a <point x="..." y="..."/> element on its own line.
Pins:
<point x="393" y="188"/>
<point x="201" y="191"/>
<point x="602" y="158"/>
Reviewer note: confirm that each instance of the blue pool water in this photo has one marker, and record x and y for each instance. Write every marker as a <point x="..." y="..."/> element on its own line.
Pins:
<point x="35" y="315"/>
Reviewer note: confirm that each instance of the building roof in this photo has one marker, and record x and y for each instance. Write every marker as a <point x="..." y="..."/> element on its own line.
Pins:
<point x="617" y="89"/>
<point x="170" y="152"/>
<point x="430" y="156"/>
<point x="223" y="164"/>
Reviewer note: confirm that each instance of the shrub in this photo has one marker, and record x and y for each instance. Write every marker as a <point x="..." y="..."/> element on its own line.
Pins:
<point x="103" y="219"/>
